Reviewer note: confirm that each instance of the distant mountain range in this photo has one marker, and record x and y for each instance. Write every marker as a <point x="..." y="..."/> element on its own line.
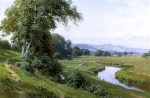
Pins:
<point x="111" y="48"/>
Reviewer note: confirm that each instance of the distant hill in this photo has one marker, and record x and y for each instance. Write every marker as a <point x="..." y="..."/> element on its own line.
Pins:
<point x="111" y="48"/>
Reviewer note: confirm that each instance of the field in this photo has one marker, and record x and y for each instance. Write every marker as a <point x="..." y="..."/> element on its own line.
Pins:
<point x="139" y="67"/>
<point x="137" y="71"/>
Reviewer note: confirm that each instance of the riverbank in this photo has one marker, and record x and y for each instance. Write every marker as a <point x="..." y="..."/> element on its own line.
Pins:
<point x="86" y="63"/>
<point x="109" y="75"/>
<point x="136" y="69"/>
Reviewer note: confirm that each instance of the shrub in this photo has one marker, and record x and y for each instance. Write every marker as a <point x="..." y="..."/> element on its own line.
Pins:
<point x="41" y="93"/>
<point x="58" y="56"/>
<point x="43" y="63"/>
<point x="27" y="67"/>
<point x="100" y="91"/>
<point x="77" y="80"/>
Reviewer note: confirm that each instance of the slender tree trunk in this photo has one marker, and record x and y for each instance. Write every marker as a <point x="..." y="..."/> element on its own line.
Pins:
<point x="23" y="50"/>
<point x="27" y="50"/>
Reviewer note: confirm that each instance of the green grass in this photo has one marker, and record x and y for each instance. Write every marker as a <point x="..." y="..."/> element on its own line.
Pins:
<point x="4" y="88"/>
<point x="138" y="73"/>
<point x="91" y="62"/>
<point x="87" y="65"/>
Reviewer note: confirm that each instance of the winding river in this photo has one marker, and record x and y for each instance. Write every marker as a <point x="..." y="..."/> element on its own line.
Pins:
<point x="108" y="75"/>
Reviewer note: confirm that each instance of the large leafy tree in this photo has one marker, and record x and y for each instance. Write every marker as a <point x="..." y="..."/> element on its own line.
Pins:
<point x="31" y="23"/>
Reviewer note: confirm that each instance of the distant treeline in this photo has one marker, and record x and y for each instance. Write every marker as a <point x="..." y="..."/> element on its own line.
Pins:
<point x="102" y="53"/>
<point x="64" y="49"/>
<point x="146" y="55"/>
<point x="4" y="44"/>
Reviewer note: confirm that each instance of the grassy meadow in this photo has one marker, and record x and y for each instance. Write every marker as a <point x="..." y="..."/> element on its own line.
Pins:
<point x="88" y="66"/>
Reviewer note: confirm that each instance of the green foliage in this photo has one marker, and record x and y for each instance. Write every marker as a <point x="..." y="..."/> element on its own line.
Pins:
<point x="58" y="56"/>
<point x="31" y="23"/>
<point x="146" y="55"/>
<point x="106" y="53"/>
<point x="125" y="53"/>
<point x="62" y="47"/>
<point x="7" y="84"/>
<point x="99" y="53"/>
<point x="86" y="52"/>
<point x="100" y="91"/>
<point x="77" y="80"/>
<point x="4" y="44"/>
<point x="41" y="93"/>
<point x="102" y="53"/>
<point x="15" y="47"/>
<point x="43" y="63"/>
<point x="76" y="52"/>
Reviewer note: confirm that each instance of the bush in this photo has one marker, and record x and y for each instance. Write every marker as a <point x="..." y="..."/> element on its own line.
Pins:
<point x="98" y="90"/>
<point x="4" y="44"/>
<point x="58" y="56"/>
<point x="41" y="93"/>
<point x="77" y="80"/>
<point x="43" y="63"/>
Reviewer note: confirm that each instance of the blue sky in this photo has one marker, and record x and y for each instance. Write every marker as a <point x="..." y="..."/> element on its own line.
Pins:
<point x="118" y="22"/>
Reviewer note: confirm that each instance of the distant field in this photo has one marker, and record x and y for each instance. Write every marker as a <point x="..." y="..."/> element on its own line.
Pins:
<point x="138" y="73"/>
<point x="135" y="63"/>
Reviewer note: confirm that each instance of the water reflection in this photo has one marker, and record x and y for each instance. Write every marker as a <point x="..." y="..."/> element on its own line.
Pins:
<point x="108" y="75"/>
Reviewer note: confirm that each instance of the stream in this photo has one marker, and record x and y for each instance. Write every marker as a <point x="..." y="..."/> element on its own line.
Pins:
<point x="108" y="75"/>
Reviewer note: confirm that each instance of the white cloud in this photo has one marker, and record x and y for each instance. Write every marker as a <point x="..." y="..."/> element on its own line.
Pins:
<point x="123" y="22"/>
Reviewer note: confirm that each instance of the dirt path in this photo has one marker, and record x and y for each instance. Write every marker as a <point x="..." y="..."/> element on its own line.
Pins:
<point x="15" y="78"/>
<point x="14" y="74"/>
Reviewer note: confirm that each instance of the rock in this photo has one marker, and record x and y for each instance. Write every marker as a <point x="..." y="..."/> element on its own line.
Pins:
<point x="62" y="77"/>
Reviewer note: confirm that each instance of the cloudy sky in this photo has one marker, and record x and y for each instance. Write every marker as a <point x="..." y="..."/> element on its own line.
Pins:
<point x="118" y="22"/>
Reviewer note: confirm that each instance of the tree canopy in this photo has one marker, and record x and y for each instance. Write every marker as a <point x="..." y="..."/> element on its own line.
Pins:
<point x="31" y="21"/>
<point x="86" y="52"/>
<point x="62" y="46"/>
<point x="102" y="53"/>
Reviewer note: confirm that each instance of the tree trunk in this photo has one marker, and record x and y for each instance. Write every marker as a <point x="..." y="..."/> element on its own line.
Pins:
<point x="27" y="50"/>
<point x="23" y="50"/>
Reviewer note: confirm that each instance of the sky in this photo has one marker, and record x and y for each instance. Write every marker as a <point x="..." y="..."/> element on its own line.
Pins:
<point x="117" y="22"/>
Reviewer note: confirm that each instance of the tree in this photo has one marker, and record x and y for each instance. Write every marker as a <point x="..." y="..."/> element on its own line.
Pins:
<point x="62" y="46"/>
<point x="69" y="48"/>
<point x="86" y="52"/>
<point x="76" y="52"/>
<point x="32" y="21"/>
<point x="59" y="44"/>
<point x="106" y="53"/>
<point x="145" y="55"/>
<point x="125" y="53"/>
<point x="99" y="53"/>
